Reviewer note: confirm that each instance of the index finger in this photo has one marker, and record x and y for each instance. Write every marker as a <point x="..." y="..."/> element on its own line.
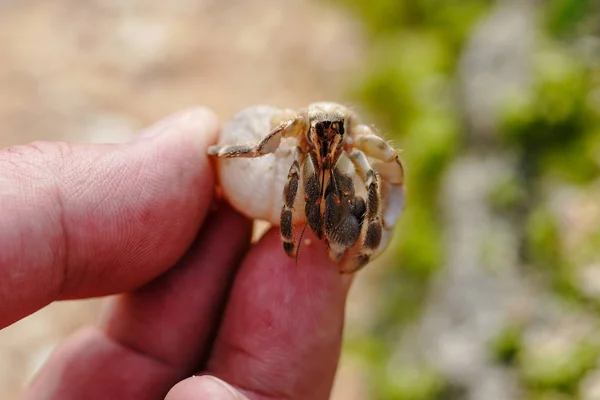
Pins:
<point x="282" y="328"/>
<point x="82" y="220"/>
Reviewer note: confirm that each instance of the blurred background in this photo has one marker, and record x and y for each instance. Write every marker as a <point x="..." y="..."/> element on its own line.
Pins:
<point x="491" y="290"/>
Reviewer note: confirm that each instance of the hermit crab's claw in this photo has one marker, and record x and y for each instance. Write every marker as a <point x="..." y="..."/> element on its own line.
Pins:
<point x="319" y="168"/>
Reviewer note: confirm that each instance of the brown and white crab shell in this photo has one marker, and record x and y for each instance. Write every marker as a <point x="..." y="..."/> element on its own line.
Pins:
<point x="254" y="186"/>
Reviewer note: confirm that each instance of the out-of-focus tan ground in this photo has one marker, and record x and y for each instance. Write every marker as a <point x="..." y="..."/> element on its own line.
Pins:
<point x="98" y="71"/>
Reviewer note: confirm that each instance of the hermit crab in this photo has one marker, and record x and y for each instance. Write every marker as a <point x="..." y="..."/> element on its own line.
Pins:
<point x="319" y="167"/>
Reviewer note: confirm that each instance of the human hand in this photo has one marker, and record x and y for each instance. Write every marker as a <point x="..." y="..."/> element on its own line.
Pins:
<point x="140" y="219"/>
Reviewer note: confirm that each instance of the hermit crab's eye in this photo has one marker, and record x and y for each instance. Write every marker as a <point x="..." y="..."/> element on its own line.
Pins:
<point x="322" y="129"/>
<point x="338" y="127"/>
<point x="329" y="129"/>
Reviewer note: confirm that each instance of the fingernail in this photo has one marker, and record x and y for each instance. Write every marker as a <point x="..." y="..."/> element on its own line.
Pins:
<point x="194" y="118"/>
<point x="219" y="389"/>
<point x="155" y="130"/>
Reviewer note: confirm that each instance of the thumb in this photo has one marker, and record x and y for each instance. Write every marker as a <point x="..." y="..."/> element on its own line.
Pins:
<point x="204" y="387"/>
<point x="87" y="220"/>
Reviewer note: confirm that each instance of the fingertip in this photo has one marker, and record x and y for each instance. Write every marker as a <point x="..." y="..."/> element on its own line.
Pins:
<point x="88" y="219"/>
<point x="347" y="280"/>
<point x="204" y="387"/>
<point x="312" y="257"/>
<point x="310" y="252"/>
<point x="195" y="128"/>
<point x="169" y="174"/>
<point x="279" y="317"/>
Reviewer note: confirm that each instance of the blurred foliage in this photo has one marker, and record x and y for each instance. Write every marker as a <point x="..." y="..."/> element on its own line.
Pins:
<point x="412" y="383"/>
<point x="559" y="370"/>
<point x="508" y="345"/>
<point x="563" y="17"/>
<point x="550" y="368"/>
<point x="408" y="90"/>
<point x="553" y="128"/>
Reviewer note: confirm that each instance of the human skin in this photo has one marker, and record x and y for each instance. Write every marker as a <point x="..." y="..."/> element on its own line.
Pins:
<point x="193" y="299"/>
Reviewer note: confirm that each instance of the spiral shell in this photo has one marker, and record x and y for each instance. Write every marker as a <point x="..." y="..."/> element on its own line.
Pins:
<point x="254" y="186"/>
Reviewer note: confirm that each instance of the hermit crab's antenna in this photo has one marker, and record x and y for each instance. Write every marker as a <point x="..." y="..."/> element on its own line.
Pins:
<point x="300" y="242"/>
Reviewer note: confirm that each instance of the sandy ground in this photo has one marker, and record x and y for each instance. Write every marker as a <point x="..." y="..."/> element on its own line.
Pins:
<point x="98" y="71"/>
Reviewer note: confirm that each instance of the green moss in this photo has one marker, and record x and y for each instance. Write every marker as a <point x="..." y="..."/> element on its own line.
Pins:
<point x="419" y="255"/>
<point x="370" y="350"/>
<point x="549" y="395"/>
<point x="407" y="89"/>
<point x="543" y="238"/>
<point x="554" y="127"/>
<point x="564" y="16"/>
<point x="508" y="195"/>
<point x="411" y="383"/>
<point x="405" y="81"/>
<point x="386" y="17"/>
<point x="507" y="346"/>
<point x="560" y="370"/>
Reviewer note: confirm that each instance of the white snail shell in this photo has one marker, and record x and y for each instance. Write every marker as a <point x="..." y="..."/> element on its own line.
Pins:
<point x="254" y="186"/>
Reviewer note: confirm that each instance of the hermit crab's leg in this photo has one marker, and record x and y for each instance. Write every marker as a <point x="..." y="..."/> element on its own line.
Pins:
<point x="293" y="127"/>
<point x="344" y="213"/>
<point x="289" y="197"/>
<point x="388" y="166"/>
<point x="372" y="226"/>
<point x="384" y="159"/>
<point x="312" y="196"/>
